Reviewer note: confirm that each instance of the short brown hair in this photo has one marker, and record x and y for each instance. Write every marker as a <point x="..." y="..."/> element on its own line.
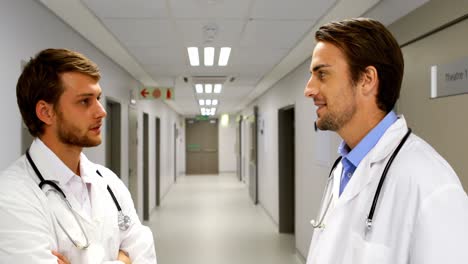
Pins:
<point x="366" y="42"/>
<point x="40" y="80"/>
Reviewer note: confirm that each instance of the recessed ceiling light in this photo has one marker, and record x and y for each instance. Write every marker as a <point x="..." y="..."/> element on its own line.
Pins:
<point x="214" y="102"/>
<point x="209" y="56"/>
<point x="224" y="56"/>
<point x="217" y="88"/>
<point x="208" y="101"/>
<point x="193" y="56"/>
<point x="201" y="102"/>
<point x="199" y="88"/>
<point x="208" y="88"/>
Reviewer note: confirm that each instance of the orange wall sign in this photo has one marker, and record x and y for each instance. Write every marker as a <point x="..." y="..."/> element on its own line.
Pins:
<point x="156" y="93"/>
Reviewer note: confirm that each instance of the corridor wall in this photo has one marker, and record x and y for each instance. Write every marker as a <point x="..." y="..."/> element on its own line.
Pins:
<point x="27" y="27"/>
<point x="441" y="122"/>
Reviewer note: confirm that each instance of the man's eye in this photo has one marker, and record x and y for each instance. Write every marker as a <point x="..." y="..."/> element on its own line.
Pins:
<point x="84" y="102"/>
<point x="321" y="75"/>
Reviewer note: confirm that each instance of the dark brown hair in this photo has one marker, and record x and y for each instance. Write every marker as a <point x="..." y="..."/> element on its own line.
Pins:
<point x="366" y="42"/>
<point x="40" y="80"/>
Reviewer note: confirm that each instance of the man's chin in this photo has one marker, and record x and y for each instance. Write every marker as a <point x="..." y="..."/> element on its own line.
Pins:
<point x="89" y="143"/>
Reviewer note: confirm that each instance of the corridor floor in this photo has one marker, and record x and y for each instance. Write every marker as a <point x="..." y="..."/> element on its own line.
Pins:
<point x="211" y="220"/>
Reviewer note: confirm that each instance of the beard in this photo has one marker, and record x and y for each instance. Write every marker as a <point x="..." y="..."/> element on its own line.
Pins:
<point x="334" y="120"/>
<point x="70" y="134"/>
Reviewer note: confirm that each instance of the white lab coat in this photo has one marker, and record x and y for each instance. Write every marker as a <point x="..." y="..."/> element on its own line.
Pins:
<point x="29" y="230"/>
<point x="421" y="216"/>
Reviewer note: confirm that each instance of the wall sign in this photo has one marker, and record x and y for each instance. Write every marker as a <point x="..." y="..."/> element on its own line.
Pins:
<point x="449" y="79"/>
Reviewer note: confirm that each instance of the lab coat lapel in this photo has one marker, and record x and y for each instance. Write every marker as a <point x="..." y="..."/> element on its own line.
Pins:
<point x="366" y="173"/>
<point x="53" y="169"/>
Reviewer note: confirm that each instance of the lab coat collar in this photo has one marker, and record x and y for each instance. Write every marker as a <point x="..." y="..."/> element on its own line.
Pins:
<point x="365" y="173"/>
<point x="53" y="169"/>
<point x="49" y="165"/>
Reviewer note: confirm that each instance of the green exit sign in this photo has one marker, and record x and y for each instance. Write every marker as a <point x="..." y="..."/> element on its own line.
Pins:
<point x="202" y="117"/>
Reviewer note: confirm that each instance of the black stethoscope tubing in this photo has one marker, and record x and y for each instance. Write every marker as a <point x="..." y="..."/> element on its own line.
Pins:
<point x="56" y="187"/>
<point x="382" y="178"/>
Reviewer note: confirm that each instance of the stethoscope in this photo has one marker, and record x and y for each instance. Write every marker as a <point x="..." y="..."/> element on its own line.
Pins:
<point x="124" y="221"/>
<point x="320" y="224"/>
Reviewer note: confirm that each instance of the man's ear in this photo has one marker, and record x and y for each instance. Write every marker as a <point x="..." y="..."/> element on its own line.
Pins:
<point x="45" y="112"/>
<point x="369" y="81"/>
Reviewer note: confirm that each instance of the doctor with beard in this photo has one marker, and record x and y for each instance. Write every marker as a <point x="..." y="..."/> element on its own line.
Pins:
<point x="390" y="198"/>
<point x="56" y="206"/>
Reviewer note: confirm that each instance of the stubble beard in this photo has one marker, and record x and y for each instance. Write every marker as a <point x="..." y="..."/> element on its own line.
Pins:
<point x="69" y="134"/>
<point x="335" y="120"/>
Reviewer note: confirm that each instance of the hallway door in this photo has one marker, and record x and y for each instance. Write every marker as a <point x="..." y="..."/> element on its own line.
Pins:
<point x="113" y="136"/>
<point x="146" y="186"/>
<point x="253" y="165"/>
<point x="133" y="154"/>
<point x="286" y="164"/>
<point x="202" y="146"/>
<point x="239" y="148"/>
<point x="158" y="161"/>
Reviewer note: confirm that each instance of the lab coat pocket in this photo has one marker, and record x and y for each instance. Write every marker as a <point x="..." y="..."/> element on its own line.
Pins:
<point x="365" y="252"/>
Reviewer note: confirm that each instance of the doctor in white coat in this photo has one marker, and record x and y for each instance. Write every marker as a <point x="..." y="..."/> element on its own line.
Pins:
<point x="58" y="96"/>
<point x="421" y="210"/>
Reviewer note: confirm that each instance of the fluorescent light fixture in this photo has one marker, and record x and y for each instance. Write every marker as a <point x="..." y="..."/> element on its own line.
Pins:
<point x="213" y="110"/>
<point x="225" y="120"/>
<point x="203" y="111"/>
<point x="199" y="88"/>
<point x="224" y="56"/>
<point x="201" y="102"/>
<point x="193" y="56"/>
<point x="214" y="102"/>
<point x="208" y="88"/>
<point x="209" y="56"/>
<point x="208" y="101"/>
<point x="217" y="88"/>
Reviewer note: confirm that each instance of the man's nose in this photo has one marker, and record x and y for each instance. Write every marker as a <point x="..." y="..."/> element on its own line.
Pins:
<point x="311" y="89"/>
<point x="100" y="112"/>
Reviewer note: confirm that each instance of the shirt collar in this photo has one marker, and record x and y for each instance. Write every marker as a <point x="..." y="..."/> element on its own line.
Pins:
<point x="50" y="166"/>
<point x="355" y="155"/>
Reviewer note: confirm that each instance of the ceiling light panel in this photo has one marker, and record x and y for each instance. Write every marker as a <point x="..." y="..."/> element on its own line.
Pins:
<point x="208" y="88"/>
<point x="199" y="88"/>
<point x="224" y="56"/>
<point x="209" y="56"/>
<point x="217" y="88"/>
<point x="193" y="56"/>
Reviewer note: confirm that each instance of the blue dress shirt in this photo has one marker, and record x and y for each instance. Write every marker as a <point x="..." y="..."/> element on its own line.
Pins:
<point x="352" y="157"/>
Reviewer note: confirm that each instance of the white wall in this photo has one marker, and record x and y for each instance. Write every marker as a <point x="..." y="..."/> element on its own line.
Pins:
<point x="314" y="152"/>
<point x="227" y="145"/>
<point x="28" y="27"/>
<point x="442" y="121"/>
<point x="167" y="120"/>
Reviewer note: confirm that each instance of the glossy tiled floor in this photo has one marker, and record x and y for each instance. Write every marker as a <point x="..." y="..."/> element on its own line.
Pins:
<point x="211" y="220"/>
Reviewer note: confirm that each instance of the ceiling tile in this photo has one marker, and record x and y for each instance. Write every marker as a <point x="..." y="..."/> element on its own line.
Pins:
<point x="128" y="9"/>
<point x="209" y="8"/>
<point x="274" y="33"/>
<point x="150" y="56"/>
<point x="143" y="32"/>
<point x="291" y="9"/>
<point x="193" y="34"/>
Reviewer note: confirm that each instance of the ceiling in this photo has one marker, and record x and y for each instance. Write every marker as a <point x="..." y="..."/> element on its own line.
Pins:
<point x="269" y="38"/>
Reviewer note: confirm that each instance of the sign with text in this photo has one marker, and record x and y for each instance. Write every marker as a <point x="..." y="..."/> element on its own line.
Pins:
<point x="449" y="79"/>
<point x="156" y="93"/>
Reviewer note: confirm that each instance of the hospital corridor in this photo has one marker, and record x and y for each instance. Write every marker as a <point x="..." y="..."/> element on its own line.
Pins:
<point x="210" y="219"/>
<point x="236" y="131"/>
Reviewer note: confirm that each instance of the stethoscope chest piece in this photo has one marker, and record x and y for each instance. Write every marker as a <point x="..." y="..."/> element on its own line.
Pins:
<point x="124" y="221"/>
